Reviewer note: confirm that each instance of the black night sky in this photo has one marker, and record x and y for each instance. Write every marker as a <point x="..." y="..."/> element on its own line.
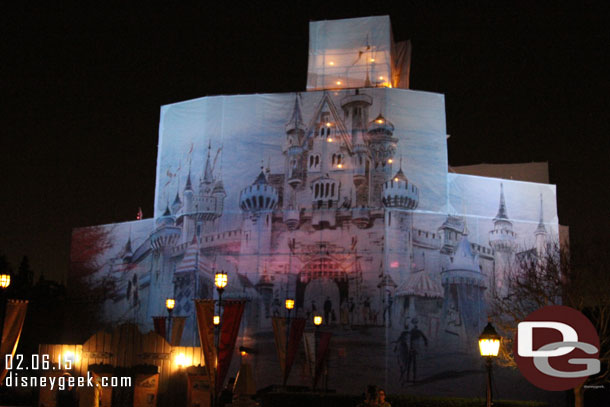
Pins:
<point x="82" y="88"/>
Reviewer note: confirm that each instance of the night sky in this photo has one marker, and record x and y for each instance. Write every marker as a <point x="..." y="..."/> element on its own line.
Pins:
<point x="82" y="88"/>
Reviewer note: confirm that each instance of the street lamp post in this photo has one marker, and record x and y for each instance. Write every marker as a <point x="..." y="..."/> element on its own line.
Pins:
<point x="317" y="321"/>
<point x="289" y="303"/>
<point x="170" y="303"/>
<point x="220" y="281"/>
<point x="489" y="346"/>
<point x="5" y="281"/>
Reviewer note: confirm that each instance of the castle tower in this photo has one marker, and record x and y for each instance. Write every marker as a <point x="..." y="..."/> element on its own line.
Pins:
<point x="464" y="314"/>
<point x="163" y="239"/>
<point x="541" y="234"/>
<point x="209" y="201"/>
<point x="257" y="203"/>
<point x="502" y="240"/>
<point x="382" y="146"/>
<point x="452" y="230"/>
<point x="188" y="218"/>
<point x="400" y="197"/>
<point x="295" y="162"/>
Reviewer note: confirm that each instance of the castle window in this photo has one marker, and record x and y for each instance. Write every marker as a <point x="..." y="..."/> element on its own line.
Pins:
<point x="332" y="190"/>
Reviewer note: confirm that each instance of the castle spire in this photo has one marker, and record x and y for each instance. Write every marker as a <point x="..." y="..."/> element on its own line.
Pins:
<point x="502" y="214"/>
<point x="296" y="119"/>
<point x="207" y="174"/>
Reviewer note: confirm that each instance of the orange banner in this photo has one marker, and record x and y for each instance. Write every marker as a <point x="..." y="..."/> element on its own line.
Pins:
<point x="11" y="332"/>
<point x="205" y="322"/>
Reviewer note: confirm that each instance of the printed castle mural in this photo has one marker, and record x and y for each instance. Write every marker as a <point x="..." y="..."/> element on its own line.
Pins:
<point x="342" y="200"/>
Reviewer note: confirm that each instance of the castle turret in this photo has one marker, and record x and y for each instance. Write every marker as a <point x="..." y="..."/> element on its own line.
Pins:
<point x="257" y="202"/>
<point x="293" y="147"/>
<point x="166" y="234"/>
<point x="464" y="313"/>
<point x="503" y="240"/>
<point x="541" y="234"/>
<point x="452" y="230"/>
<point x="382" y="146"/>
<point x="399" y="197"/>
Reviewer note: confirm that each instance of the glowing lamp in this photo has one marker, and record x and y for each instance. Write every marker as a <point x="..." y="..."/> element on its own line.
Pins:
<point x="328" y="124"/>
<point x="331" y="63"/>
<point x="372" y="59"/>
<point x="379" y="121"/>
<point x="5" y="280"/>
<point x="243" y="352"/>
<point x="390" y="161"/>
<point x="221" y="280"/>
<point x="289" y="303"/>
<point x="396" y="179"/>
<point x="330" y="139"/>
<point x="317" y="320"/>
<point x="170" y="303"/>
<point x="381" y="78"/>
<point x="216" y="320"/>
<point x="340" y="165"/>
<point x="489" y="342"/>
<point x="338" y="82"/>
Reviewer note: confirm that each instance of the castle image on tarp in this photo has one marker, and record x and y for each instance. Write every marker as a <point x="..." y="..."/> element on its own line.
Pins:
<point x="339" y="197"/>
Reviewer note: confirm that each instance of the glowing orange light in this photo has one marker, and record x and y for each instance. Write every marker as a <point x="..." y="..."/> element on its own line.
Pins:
<point x="331" y="63"/>
<point x="396" y="179"/>
<point x="340" y="165"/>
<point x="330" y="140"/>
<point x="390" y="161"/>
<point x="372" y="59"/>
<point x="328" y="124"/>
<point x="381" y="78"/>
<point x="216" y="320"/>
<point x="338" y="82"/>
<point x="317" y="320"/>
<point x="5" y="280"/>
<point x="170" y="303"/>
<point x="289" y="303"/>
<point x="221" y="279"/>
<point x="243" y="353"/>
<point x="380" y="121"/>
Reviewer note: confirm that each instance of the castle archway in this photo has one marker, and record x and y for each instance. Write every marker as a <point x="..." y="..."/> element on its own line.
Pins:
<point x="320" y="280"/>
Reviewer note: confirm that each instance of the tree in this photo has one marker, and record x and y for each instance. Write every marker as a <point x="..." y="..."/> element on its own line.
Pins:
<point x="559" y="276"/>
<point x="86" y="288"/>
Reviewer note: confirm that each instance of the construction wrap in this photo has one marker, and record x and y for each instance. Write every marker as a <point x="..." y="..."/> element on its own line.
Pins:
<point x="339" y="199"/>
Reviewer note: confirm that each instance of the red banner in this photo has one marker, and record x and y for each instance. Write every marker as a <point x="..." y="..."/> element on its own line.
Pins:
<point x="13" y="323"/>
<point x="297" y="325"/>
<point x="231" y="319"/>
<point x="159" y="324"/>
<point x="321" y="354"/>
<point x="205" y="322"/>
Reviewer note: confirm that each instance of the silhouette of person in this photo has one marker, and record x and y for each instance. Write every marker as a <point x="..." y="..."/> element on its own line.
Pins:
<point x="328" y="307"/>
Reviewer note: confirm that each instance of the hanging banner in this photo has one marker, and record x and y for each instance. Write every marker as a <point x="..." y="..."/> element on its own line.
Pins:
<point x="231" y="319"/>
<point x="177" y="329"/>
<point x="297" y="326"/>
<point x="279" y="333"/>
<point x="205" y="323"/>
<point x="160" y="323"/>
<point x="321" y="354"/>
<point x="309" y="341"/>
<point x="13" y="324"/>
